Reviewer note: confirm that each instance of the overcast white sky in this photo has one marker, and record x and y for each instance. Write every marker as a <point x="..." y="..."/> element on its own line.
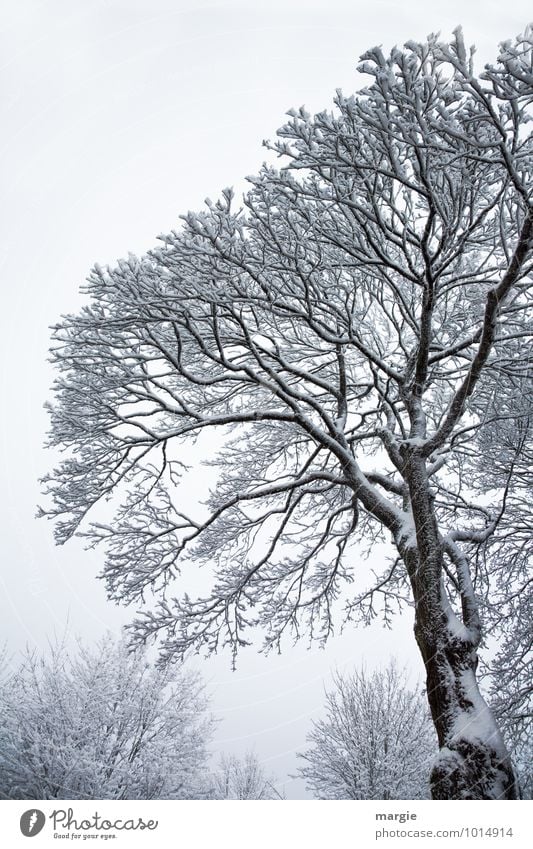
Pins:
<point x="117" y="116"/>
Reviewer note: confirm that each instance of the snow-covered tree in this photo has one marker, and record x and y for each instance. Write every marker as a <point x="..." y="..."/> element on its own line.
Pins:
<point x="519" y="739"/>
<point x="376" y="740"/>
<point x="102" y="724"/>
<point x="242" y="778"/>
<point x="357" y="335"/>
<point x="511" y="693"/>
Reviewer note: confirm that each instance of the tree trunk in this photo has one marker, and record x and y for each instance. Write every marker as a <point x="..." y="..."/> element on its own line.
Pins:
<point x="473" y="762"/>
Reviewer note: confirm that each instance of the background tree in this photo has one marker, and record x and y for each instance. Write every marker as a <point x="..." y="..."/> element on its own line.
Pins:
<point x="375" y="742"/>
<point x="511" y="689"/>
<point x="506" y="447"/>
<point x="242" y="778"/>
<point x="102" y="724"/>
<point x="347" y="332"/>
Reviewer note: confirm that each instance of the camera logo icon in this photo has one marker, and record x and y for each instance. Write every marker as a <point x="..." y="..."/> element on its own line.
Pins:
<point x="32" y="822"/>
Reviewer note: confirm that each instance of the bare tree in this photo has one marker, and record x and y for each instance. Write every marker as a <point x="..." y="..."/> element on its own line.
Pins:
<point x="375" y="742"/>
<point x="242" y="778"/>
<point x="512" y="687"/>
<point x="102" y="724"/>
<point x="348" y="333"/>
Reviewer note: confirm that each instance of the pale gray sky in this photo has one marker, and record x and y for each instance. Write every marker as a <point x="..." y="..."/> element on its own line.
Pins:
<point x="117" y="116"/>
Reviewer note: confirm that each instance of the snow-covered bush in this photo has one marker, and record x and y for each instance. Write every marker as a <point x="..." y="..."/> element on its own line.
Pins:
<point x="102" y="723"/>
<point x="375" y="742"/>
